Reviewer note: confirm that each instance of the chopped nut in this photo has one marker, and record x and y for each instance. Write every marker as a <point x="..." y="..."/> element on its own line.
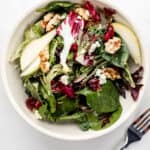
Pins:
<point x="52" y="22"/>
<point x="44" y="55"/>
<point x="48" y="16"/>
<point x="113" y="45"/>
<point x="44" y="66"/>
<point x="83" y="13"/>
<point x="43" y="24"/>
<point x="111" y="73"/>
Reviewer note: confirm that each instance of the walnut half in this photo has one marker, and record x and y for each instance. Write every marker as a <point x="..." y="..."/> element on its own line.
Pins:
<point x="111" y="73"/>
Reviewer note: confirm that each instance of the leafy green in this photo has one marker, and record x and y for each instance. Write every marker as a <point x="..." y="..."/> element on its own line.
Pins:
<point x="74" y="116"/>
<point x="101" y="101"/>
<point x="93" y="120"/>
<point x="57" y="6"/>
<point x="118" y="59"/>
<point x="114" y="117"/>
<point x="32" y="88"/>
<point x="66" y="105"/>
<point x="18" y="51"/>
<point x="128" y="77"/>
<point x="55" y="71"/>
<point x="33" y="32"/>
<point x="52" y="49"/>
<point x="48" y="95"/>
<point x="45" y="114"/>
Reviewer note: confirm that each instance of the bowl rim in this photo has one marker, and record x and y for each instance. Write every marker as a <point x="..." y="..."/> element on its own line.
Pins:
<point x="40" y="128"/>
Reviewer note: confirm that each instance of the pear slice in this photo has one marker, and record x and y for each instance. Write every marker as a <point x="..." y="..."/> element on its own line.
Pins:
<point x="32" y="50"/>
<point x="32" y="68"/>
<point x="131" y="39"/>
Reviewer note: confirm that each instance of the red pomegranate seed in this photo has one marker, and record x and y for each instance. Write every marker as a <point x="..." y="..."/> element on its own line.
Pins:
<point x="109" y="33"/>
<point x="38" y="104"/>
<point x="30" y="103"/>
<point x="94" y="84"/>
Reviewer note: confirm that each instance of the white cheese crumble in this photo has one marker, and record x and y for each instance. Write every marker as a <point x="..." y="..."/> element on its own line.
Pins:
<point x="94" y="46"/>
<point x="64" y="79"/>
<point x="80" y="57"/>
<point x="99" y="73"/>
<point x="37" y="115"/>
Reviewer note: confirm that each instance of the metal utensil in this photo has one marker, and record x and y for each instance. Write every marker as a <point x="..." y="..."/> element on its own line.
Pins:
<point x="137" y="129"/>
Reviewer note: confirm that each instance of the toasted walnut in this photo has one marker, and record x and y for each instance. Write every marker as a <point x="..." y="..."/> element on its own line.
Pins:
<point x="111" y="73"/>
<point x="43" y="24"/>
<point x="48" y="16"/>
<point x="113" y="45"/>
<point x="53" y="22"/>
<point x="83" y="13"/>
<point x="44" y="66"/>
<point x="44" y="55"/>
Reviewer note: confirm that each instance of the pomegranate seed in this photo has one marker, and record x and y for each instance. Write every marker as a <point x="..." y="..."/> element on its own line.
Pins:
<point x="94" y="84"/>
<point x="109" y="33"/>
<point x="30" y="103"/>
<point x="38" y="104"/>
<point x="106" y="36"/>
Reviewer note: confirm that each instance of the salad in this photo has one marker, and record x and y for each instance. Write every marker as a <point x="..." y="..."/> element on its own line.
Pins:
<point x="75" y="62"/>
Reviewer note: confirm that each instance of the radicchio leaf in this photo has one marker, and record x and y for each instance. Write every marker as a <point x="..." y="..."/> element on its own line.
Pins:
<point x="69" y="29"/>
<point x="59" y="87"/>
<point x="92" y="11"/>
<point x="135" y="91"/>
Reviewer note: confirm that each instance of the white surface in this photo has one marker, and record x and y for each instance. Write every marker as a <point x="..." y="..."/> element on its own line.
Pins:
<point x="16" y="134"/>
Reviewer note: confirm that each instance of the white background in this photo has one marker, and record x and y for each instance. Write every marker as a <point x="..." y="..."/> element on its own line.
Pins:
<point x="16" y="134"/>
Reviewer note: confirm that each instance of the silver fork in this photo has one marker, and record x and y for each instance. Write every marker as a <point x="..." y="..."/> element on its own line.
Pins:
<point x="137" y="129"/>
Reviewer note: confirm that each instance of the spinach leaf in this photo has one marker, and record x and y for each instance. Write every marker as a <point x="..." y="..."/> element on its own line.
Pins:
<point x="57" y="6"/>
<point x="103" y="101"/>
<point x="120" y="58"/>
<point x="93" y="121"/>
<point x="74" y="116"/>
<point x="66" y="105"/>
<point x="114" y="117"/>
<point x="45" y="113"/>
<point x="89" y="120"/>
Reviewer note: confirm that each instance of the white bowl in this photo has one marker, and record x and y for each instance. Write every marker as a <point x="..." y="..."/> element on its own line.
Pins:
<point x="17" y="95"/>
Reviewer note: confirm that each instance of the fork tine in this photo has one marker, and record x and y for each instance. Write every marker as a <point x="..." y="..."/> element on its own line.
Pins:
<point x="145" y="129"/>
<point x="144" y="125"/>
<point x="146" y="118"/>
<point x="139" y="119"/>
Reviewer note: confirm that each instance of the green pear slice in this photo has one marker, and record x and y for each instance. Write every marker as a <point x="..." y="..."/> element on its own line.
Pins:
<point x="32" y="50"/>
<point x="131" y="39"/>
<point x="32" y="68"/>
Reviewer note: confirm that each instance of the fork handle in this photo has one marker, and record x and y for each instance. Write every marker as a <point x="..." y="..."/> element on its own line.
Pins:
<point x="126" y="143"/>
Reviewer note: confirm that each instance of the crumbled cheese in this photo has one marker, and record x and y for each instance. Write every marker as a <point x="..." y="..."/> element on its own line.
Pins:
<point x="100" y="74"/>
<point x="94" y="46"/>
<point x="81" y="60"/>
<point x="64" y="79"/>
<point x="37" y="115"/>
<point x="113" y="45"/>
<point x="80" y="57"/>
